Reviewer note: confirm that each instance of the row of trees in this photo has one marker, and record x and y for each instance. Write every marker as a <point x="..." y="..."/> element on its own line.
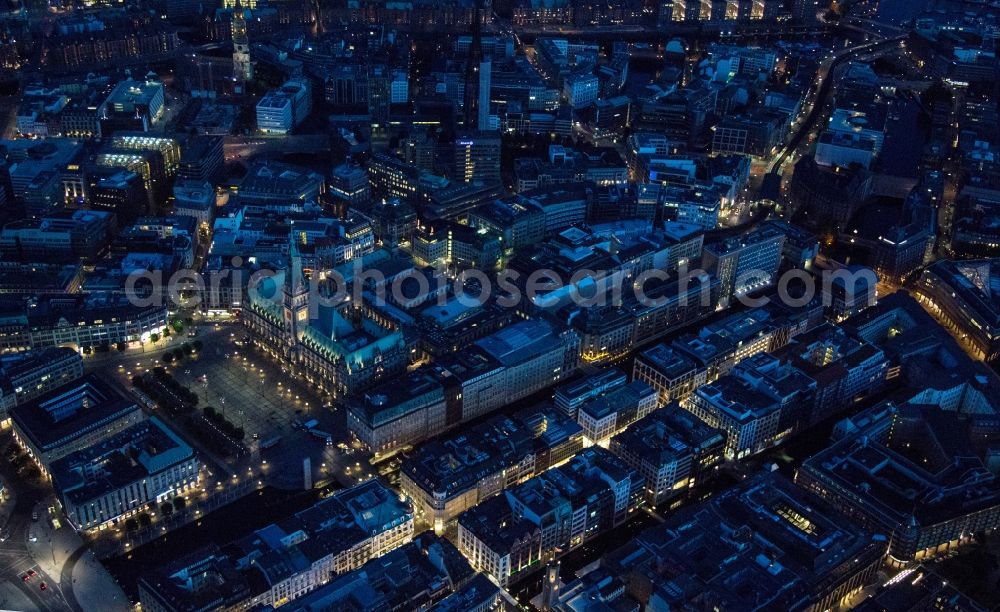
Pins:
<point x="208" y="426"/>
<point x="186" y="350"/>
<point x="164" y="389"/>
<point x="228" y="427"/>
<point x="22" y="463"/>
<point x="143" y="519"/>
<point x="176" y="326"/>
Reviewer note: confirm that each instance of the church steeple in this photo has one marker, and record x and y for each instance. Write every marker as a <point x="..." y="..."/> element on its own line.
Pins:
<point x="295" y="290"/>
<point x="242" y="67"/>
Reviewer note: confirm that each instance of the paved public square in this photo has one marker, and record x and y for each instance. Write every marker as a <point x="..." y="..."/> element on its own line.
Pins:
<point x="266" y="400"/>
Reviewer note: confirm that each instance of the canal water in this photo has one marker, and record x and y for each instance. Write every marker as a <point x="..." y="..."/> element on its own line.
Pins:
<point x="222" y="526"/>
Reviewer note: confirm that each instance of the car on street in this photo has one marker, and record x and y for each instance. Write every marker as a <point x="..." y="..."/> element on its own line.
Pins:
<point x="43" y="586"/>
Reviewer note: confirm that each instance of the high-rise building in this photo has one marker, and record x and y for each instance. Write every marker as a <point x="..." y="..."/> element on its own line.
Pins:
<point x="202" y="158"/>
<point x="122" y="193"/>
<point x="580" y="90"/>
<point x="132" y="105"/>
<point x="400" y="87"/>
<point x="346" y="84"/>
<point x="282" y="109"/>
<point x="349" y="184"/>
<point x="477" y="157"/>
<point x="379" y="98"/>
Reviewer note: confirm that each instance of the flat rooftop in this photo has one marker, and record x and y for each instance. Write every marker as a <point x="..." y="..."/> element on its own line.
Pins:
<point x="520" y="342"/>
<point x="929" y="467"/>
<point x="667" y="361"/>
<point x="71" y="411"/>
<point x="458" y="462"/>
<point x="142" y="450"/>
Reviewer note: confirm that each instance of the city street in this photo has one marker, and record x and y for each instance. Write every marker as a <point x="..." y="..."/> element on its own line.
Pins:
<point x="34" y="553"/>
<point x="191" y="421"/>
<point x="818" y="105"/>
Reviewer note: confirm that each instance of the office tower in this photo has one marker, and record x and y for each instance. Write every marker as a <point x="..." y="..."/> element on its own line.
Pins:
<point x="477" y="157"/>
<point x="121" y="192"/>
<point x="379" y="98"/>
<point x="202" y="157"/>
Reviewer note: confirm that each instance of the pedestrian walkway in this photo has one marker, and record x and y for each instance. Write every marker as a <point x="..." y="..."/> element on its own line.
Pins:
<point x="62" y="554"/>
<point x="11" y="598"/>
<point x="92" y="586"/>
<point x="7" y="506"/>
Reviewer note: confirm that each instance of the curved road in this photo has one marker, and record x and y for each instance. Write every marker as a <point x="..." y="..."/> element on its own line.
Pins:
<point x="66" y="577"/>
<point x="822" y="93"/>
<point x="15" y="558"/>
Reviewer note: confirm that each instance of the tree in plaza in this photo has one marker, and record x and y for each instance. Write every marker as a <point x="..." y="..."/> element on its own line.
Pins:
<point x="154" y="338"/>
<point x="145" y="520"/>
<point x="179" y="503"/>
<point x="131" y="524"/>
